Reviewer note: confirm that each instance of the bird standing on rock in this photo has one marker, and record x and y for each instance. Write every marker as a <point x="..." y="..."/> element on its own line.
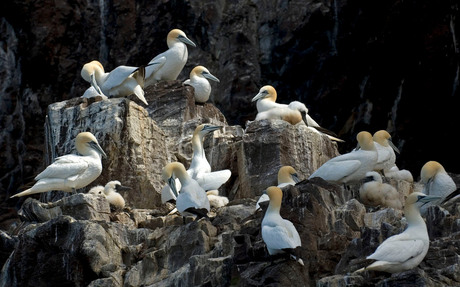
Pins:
<point x="169" y="64"/>
<point x="192" y="196"/>
<point x="198" y="80"/>
<point x="70" y="172"/>
<point x="120" y="82"/>
<point x="279" y="234"/>
<point x="406" y="250"/>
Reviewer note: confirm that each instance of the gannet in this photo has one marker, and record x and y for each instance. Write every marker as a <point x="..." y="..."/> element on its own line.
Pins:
<point x="70" y="172"/>
<point x="120" y="82"/>
<point x="286" y="176"/>
<point x="374" y="192"/>
<point x="279" y="234"/>
<point x="385" y="149"/>
<point x="395" y="173"/>
<point x="352" y="166"/>
<point x="97" y="190"/>
<point x="192" y="196"/>
<point x="294" y="113"/>
<point x="111" y="190"/>
<point x="169" y="64"/>
<point x="216" y="200"/>
<point x="435" y="182"/>
<point x="198" y="80"/>
<point x="200" y="169"/>
<point x="406" y="250"/>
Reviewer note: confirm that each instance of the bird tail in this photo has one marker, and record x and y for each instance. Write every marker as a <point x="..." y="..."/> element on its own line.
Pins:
<point x="139" y="75"/>
<point x="25" y="192"/>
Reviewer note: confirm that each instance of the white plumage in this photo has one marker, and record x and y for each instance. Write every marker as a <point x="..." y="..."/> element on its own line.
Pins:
<point x="199" y="81"/>
<point x="169" y="64"/>
<point x="279" y="234"/>
<point x="406" y="250"/>
<point x="294" y="113"/>
<point x="120" y="82"/>
<point x="385" y="149"/>
<point x="352" y="166"/>
<point x="70" y="172"/>
<point x="191" y="195"/>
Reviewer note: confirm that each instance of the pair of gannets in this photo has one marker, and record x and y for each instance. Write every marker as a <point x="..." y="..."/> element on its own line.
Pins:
<point x="199" y="81"/>
<point x="286" y="176"/>
<point x="435" y="182"/>
<point x="279" y="234"/>
<point x="350" y="167"/>
<point x="120" y="82"/>
<point x="110" y="192"/>
<point x="200" y="169"/>
<point x="376" y="193"/>
<point x="406" y="250"/>
<point x="71" y="172"/>
<point x="294" y="113"/>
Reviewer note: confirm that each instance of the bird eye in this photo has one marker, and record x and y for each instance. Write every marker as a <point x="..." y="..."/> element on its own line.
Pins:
<point x="204" y="73"/>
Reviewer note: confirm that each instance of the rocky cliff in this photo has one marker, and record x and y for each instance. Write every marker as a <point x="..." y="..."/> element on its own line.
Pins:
<point x="78" y="241"/>
<point x="390" y="65"/>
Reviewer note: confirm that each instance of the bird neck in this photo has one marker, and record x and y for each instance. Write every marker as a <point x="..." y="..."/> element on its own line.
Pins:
<point x="413" y="216"/>
<point x="197" y="145"/>
<point x="274" y="205"/>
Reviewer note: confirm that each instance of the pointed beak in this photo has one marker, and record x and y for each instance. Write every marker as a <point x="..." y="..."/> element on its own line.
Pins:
<point x="393" y="146"/>
<point x="172" y="185"/>
<point x="358" y="147"/>
<point x="123" y="188"/>
<point x="428" y="198"/>
<point x="211" y="77"/>
<point x="211" y="128"/>
<point x="258" y="96"/>
<point x="295" y="178"/>
<point x="368" y="179"/>
<point x="98" y="148"/>
<point x="94" y="84"/>
<point x="186" y="40"/>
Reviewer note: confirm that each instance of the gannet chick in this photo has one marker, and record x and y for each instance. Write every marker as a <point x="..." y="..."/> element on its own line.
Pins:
<point x="435" y="182"/>
<point x="374" y="192"/>
<point x="286" y="176"/>
<point x="97" y="190"/>
<point x="397" y="174"/>
<point x="120" y="82"/>
<point x="406" y="250"/>
<point x="279" y="234"/>
<point x="216" y="200"/>
<point x="198" y="80"/>
<point x="385" y="149"/>
<point x="71" y="172"/>
<point x="350" y="167"/>
<point x="170" y="63"/>
<point x="294" y="113"/>
<point x="192" y="196"/>
<point x="115" y="199"/>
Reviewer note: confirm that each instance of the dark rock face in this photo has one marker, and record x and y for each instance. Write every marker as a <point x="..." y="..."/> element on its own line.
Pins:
<point x="391" y="65"/>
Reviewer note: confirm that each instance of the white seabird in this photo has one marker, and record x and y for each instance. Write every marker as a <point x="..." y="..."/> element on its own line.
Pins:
<point x="279" y="234"/>
<point x="200" y="169"/>
<point x="287" y="175"/>
<point x="216" y="200"/>
<point x="294" y="113"/>
<point x="169" y="64"/>
<point x="120" y="82"/>
<point x="192" y="196"/>
<point x="199" y="81"/>
<point x="97" y="190"/>
<point x="71" y="172"/>
<point x="435" y="182"/>
<point x="350" y="167"/>
<point x="395" y="173"/>
<point x="385" y="149"/>
<point x="374" y="192"/>
<point x="406" y="250"/>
